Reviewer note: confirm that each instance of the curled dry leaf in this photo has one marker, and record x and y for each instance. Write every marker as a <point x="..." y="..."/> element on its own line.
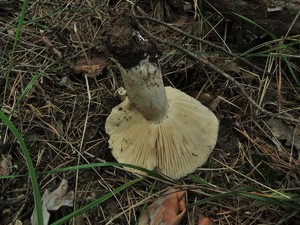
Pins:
<point x="5" y="165"/>
<point x="53" y="201"/>
<point x="215" y="103"/>
<point x="92" y="67"/>
<point x="166" y="210"/>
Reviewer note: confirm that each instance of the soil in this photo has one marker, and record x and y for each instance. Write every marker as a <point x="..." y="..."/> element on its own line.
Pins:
<point x="125" y="41"/>
<point x="61" y="115"/>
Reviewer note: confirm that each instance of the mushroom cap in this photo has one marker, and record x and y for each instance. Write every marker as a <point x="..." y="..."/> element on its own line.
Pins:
<point x="175" y="146"/>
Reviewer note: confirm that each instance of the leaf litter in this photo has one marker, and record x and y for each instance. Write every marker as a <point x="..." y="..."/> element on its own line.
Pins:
<point x="170" y="209"/>
<point x="70" y="96"/>
<point x="285" y="132"/>
<point x="5" y="165"/>
<point x="52" y="201"/>
<point x="92" y="67"/>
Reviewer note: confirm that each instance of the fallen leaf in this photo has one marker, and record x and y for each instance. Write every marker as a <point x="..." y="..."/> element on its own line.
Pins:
<point x="166" y="210"/>
<point x="91" y="67"/>
<point x="286" y="132"/>
<point x="5" y="165"/>
<point x="215" y="103"/>
<point x="203" y="220"/>
<point x="52" y="201"/>
<point x="203" y="97"/>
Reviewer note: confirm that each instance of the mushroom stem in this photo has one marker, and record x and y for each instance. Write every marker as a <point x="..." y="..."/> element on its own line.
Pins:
<point x="145" y="90"/>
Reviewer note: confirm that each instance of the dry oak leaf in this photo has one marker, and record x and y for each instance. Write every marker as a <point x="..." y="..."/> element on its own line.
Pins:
<point x="166" y="210"/>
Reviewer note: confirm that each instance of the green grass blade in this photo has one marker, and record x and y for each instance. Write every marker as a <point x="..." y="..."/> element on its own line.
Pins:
<point x="11" y="176"/>
<point x="291" y="70"/>
<point x="274" y="38"/>
<point x="26" y="90"/>
<point x="279" y="200"/>
<point x="199" y="180"/>
<point x="255" y="24"/>
<point x="146" y="204"/>
<point x="212" y="198"/>
<point x="256" y="195"/>
<point x="32" y="174"/>
<point x="96" y="202"/>
<point x="28" y="87"/>
<point x="94" y="165"/>
<point x="105" y="164"/>
<point x="267" y="52"/>
<point x="17" y="37"/>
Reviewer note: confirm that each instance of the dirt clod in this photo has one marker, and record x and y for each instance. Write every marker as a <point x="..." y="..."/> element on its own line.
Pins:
<point x="125" y="42"/>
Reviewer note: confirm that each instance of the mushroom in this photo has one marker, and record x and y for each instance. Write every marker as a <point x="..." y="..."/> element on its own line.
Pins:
<point x="155" y="127"/>
<point x="159" y="127"/>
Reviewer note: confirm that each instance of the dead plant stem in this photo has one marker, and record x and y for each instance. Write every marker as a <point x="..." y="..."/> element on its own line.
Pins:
<point x="218" y="70"/>
<point x="202" y="41"/>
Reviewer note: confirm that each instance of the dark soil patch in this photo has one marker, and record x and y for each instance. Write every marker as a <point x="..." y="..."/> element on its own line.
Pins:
<point x="125" y="41"/>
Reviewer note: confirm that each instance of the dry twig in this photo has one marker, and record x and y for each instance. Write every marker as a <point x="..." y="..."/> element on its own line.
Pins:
<point x="223" y="50"/>
<point x="215" y="68"/>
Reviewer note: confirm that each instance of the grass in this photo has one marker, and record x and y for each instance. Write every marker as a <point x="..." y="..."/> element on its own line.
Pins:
<point x="277" y="49"/>
<point x="10" y="125"/>
<point x="31" y="169"/>
<point x="17" y="37"/>
<point x="60" y="130"/>
<point x="91" y="205"/>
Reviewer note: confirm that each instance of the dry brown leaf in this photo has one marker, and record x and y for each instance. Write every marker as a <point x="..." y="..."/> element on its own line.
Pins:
<point x="203" y="97"/>
<point x="215" y="103"/>
<point x="204" y="221"/>
<point x="207" y="99"/>
<point x="283" y="131"/>
<point x="91" y="67"/>
<point x="5" y="165"/>
<point x="166" y="210"/>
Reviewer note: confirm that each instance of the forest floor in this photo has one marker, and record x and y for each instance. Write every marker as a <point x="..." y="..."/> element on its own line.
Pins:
<point x="59" y="103"/>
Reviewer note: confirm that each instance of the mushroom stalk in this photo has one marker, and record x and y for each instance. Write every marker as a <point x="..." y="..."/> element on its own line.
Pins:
<point x="155" y="127"/>
<point x="145" y="90"/>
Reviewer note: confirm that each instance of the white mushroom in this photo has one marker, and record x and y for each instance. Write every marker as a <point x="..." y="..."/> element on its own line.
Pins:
<point x="159" y="127"/>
